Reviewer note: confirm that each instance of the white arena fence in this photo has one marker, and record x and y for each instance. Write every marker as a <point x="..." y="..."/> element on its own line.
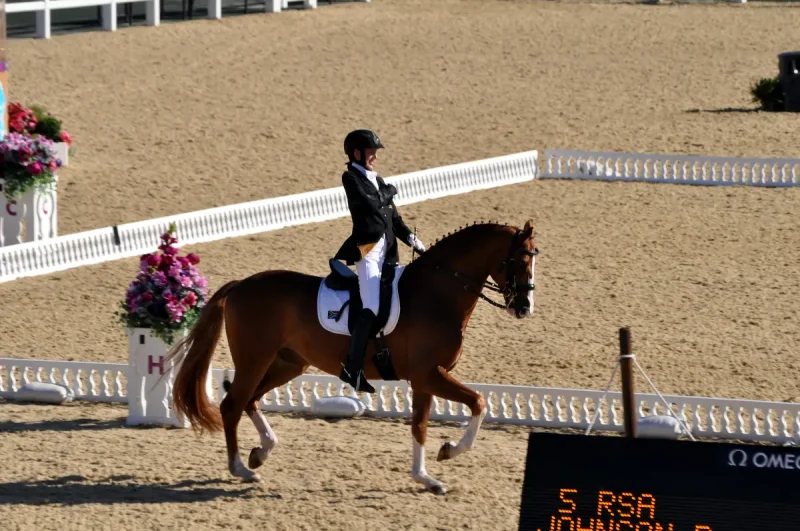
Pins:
<point x="679" y="169"/>
<point x="134" y="239"/>
<point x="722" y="418"/>
<point x="44" y="9"/>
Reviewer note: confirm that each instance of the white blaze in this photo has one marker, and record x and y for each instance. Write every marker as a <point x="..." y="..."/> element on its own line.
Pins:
<point x="530" y="293"/>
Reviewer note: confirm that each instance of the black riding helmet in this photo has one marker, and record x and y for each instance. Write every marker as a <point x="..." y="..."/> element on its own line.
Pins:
<point x="361" y="139"/>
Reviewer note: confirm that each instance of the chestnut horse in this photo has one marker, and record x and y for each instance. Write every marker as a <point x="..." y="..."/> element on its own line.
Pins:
<point x="274" y="336"/>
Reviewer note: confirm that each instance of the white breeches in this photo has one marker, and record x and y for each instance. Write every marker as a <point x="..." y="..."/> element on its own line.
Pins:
<point x="369" y="276"/>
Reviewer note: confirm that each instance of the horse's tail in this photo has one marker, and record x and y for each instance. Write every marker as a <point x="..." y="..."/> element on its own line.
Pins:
<point x="195" y="350"/>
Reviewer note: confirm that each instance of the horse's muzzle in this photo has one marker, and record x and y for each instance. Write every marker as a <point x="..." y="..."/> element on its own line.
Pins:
<point x="522" y="314"/>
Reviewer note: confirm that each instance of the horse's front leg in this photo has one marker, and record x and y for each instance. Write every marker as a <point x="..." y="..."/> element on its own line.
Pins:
<point x="441" y="384"/>
<point x="421" y="406"/>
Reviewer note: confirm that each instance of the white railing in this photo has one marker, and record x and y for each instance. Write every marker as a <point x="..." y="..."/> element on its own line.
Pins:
<point x="101" y="245"/>
<point x="751" y="420"/>
<point x="96" y="382"/>
<point x="682" y="169"/>
<point x="134" y="239"/>
<point x="44" y="9"/>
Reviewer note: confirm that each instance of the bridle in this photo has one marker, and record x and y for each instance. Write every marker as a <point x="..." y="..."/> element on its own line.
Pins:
<point x="512" y="289"/>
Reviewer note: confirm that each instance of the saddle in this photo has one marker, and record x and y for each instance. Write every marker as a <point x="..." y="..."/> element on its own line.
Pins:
<point x="342" y="278"/>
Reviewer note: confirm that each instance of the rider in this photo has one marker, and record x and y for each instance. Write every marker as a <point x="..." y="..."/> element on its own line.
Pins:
<point x="376" y="225"/>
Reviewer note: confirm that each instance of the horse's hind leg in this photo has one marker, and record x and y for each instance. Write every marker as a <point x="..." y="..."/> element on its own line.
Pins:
<point x="421" y="408"/>
<point x="279" y="373"/>
<point x="240" y="395"/>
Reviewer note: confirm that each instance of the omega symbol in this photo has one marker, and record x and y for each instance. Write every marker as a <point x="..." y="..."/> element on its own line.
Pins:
<point x="732" y="460"/>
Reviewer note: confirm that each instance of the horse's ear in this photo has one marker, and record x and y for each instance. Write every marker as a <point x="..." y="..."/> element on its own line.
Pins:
<point x="528" y="230"/>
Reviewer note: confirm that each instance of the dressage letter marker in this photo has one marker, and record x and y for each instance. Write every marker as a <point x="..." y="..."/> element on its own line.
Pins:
<point x="602" y="483"/>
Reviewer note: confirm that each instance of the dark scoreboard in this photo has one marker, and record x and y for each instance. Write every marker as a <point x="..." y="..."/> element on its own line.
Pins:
<point x="603" y="483"/>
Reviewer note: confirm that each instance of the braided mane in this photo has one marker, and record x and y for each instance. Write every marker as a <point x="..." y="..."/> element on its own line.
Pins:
<point x="458" y="232"/>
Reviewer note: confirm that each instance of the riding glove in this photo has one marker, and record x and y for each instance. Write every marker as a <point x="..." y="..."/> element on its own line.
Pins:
<point x="416" y="243"/>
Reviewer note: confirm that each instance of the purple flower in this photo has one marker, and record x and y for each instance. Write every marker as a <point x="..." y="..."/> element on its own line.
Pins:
<point x="159" y="278"/>
<point x="175" y="271"/>
<point x="175" y="310"/>
<point x="166" y="286"/>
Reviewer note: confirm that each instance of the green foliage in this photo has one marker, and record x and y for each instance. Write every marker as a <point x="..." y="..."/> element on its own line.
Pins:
<point x="49" y="127"/>
<point x="162" y="327"/>
<point x="769" y="93"/>
<point x="39" y="112"/>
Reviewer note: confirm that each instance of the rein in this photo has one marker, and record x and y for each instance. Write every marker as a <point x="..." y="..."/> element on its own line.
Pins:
<point x="511" y="290"/>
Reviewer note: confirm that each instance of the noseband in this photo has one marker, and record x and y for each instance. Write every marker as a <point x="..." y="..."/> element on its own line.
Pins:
<point x="512" y="290"/>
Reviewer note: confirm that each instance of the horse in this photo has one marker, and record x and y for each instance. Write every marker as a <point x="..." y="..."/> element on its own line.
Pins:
<point x="274" y="336"/>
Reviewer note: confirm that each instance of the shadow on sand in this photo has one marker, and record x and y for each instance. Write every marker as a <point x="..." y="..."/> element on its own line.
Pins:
<point x="732" y="110"/>
<point x="9" y="426"/>
<point x="77" y="490"/>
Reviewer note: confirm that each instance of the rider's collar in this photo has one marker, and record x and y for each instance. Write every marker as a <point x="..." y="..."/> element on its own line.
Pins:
<point x="367" y="173"/>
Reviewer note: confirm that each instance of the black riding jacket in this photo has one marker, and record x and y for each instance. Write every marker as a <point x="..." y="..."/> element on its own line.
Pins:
<point x="373" y="214"/>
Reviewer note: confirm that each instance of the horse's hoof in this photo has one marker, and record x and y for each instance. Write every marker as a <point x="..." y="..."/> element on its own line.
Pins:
<point x="444" y="452"/>
<point x="439" y="490"/>
<point x="256" y="458"/>
<point x="251" y="477"/>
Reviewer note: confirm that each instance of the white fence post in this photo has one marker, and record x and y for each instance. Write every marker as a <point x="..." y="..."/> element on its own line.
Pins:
<point x="150" y="380"/>
<point x="43" y="23"/>
<point x="153" y="12"/>
<point x="214" y="9"/>
<point x="109" y="12"/>
<point x="33" y="217"/>
<point x="273" y="6"/>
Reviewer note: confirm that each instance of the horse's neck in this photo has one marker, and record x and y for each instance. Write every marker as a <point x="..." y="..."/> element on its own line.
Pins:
<point x="467" y="263"/>
<point x="474" y="254"/>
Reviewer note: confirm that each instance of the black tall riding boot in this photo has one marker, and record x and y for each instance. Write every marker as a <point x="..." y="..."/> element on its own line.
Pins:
<point x="353" y="371"/>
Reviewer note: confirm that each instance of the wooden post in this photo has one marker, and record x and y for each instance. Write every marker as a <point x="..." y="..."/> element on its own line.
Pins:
<point x="626" y="366"/>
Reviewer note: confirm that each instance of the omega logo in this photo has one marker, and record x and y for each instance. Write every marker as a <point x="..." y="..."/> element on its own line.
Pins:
<point x="732" y="458"/>
<point x="739" y="458"/>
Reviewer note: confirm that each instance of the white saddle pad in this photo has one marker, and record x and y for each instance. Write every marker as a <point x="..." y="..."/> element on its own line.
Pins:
<point x="329" y="303"/>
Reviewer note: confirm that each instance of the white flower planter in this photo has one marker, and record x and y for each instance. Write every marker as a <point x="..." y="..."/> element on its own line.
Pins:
<point x="150" y="380"/>
<point x="32" y="217"/>
<point x="62" y="152"/>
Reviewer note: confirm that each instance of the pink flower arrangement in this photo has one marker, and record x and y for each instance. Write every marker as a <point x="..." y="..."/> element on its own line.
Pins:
<point x="36" y="121"/>
<point x="20" y="119"/>
<point x="26" y="163"/>
<point x="167" y="294"/>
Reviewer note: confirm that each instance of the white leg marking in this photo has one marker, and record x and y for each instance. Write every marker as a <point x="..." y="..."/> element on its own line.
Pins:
<point x="419" y="473"/>
<point x="470" y="434"/>
<point x="239" y="470"/>
<point x="265" y="433"/>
